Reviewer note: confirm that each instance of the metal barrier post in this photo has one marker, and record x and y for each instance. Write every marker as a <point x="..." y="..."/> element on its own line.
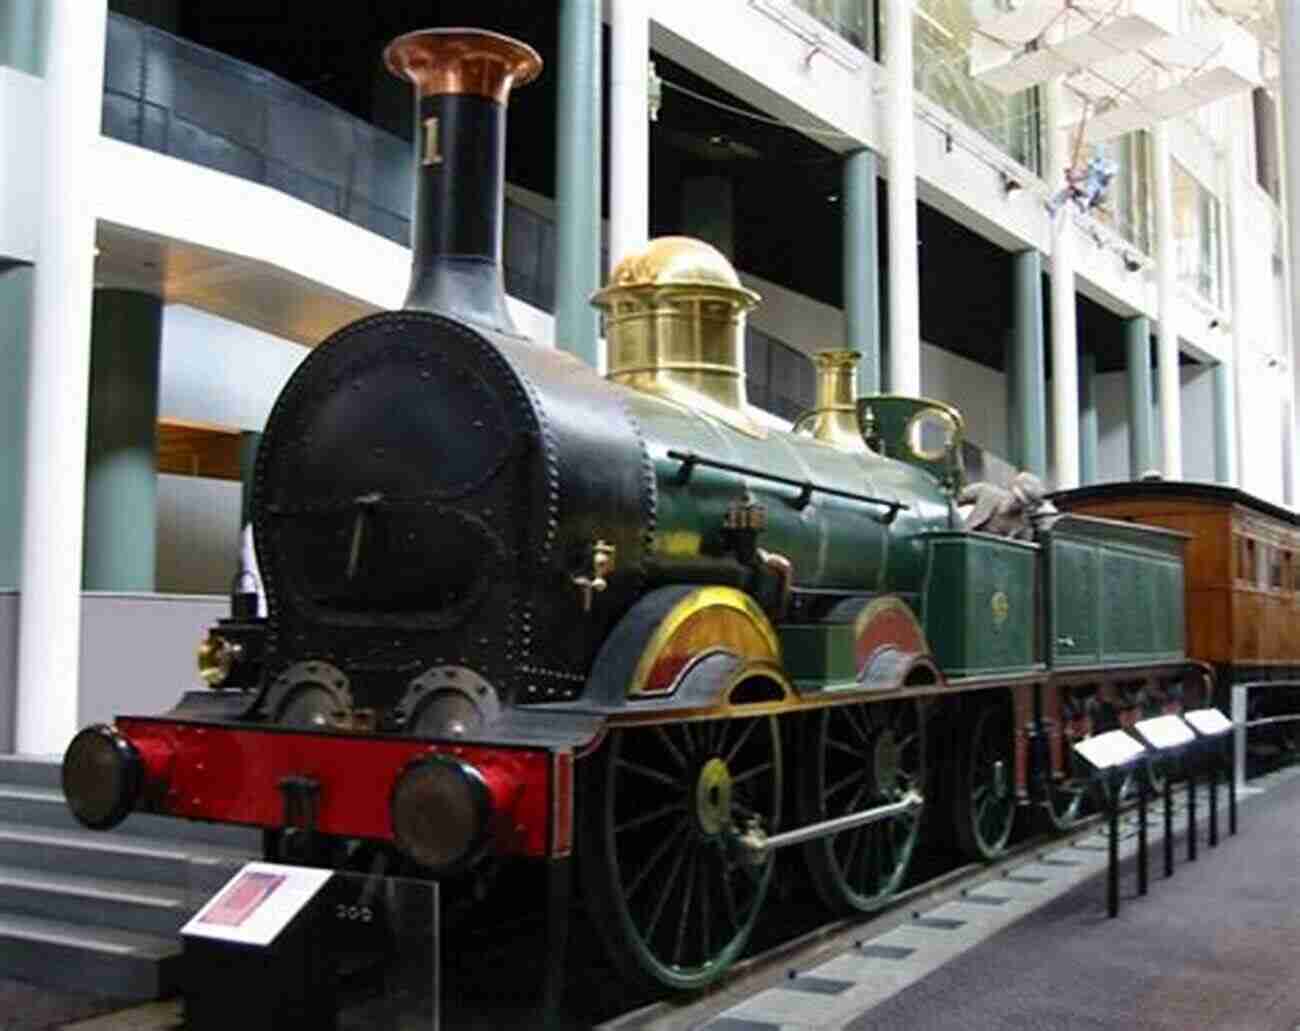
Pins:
<point x="1232" y="805"/>
<point x="1214" y="792"/>
<point x="1169" y="826"/>
<point x="1113" y="777"/>
<point x="1142" y="833"/>
<point x="1239" y="737"/>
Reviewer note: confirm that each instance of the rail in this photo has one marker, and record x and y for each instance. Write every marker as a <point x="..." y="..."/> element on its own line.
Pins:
<point x="1240" y="724"/>
<point x="807" y="488"/>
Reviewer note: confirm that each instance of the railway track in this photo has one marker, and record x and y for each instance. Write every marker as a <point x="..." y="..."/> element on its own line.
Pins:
<point x="786" y="958"/>
<point x="493" y="967"/>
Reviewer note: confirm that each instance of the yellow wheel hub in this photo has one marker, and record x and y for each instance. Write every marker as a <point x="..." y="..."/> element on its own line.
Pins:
<point x="713" y="797"/>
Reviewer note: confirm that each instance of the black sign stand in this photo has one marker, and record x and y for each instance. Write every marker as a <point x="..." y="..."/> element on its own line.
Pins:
<point x="1214" y="795"/>
<point x="1232" y="799"/>
<point x="1191" y="806"/>
<point x="1114" y="779"/>
<point x="1142" y="833"/>
<point x="289" y="983"/>
<point x="1169" y="826"/>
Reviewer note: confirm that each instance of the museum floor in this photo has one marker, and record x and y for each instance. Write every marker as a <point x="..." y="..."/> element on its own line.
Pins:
<point x="1216" y="946"/>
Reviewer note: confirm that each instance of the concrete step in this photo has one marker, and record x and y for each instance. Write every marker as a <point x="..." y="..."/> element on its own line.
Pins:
<point x="99" y="911"/>
<point x="46" y="807"/>
<point x="58" y="954"/>
<point x="84" y="853"/>
<point x="97" y="901"/>
<point x="33" y="771"/>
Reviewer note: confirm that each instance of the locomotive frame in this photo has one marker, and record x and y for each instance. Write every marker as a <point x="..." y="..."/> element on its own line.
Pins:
<point x="517" y="610"/>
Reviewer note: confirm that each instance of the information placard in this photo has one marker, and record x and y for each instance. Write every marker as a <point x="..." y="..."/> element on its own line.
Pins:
<point x="1165" y="732"/>
<point x="1114" y="748"/>
<point x="255" y="905"/>
<point x="1208" y="721"/>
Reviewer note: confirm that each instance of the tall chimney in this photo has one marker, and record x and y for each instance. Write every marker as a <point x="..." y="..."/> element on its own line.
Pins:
<point x="462" y="80"/>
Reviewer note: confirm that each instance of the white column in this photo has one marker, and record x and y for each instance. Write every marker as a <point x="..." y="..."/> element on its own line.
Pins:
<point x="629" y="129"/>
<point x="1065" y="335"/>
<point x="49" y="620"/>
<point x="1289" y="24"/>
<point x="1239" y="289"/>
<point x="1171" y="409"/>
<point x="904" y="279"/>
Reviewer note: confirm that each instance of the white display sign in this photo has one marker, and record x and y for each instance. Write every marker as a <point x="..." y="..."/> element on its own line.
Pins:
<point x="1208" y="721"/>
<point x="257" y="903"/>
<point x="1114" y="748"/>
<point x="1165" y="732"/>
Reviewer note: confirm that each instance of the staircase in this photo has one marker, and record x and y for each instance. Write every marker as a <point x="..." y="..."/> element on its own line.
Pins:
<point x="98" y="911"/>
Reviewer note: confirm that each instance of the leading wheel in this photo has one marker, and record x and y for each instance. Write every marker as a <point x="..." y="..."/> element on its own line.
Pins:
<point x="984" y="794"/>
<point x="668" y="888"/>
<point x="857" y="757"/>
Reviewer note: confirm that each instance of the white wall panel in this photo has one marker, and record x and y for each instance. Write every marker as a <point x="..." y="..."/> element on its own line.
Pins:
<point x="197" y="534"/>
<point x="1197" y="423"/>
<point x="22" y="102"/>
<point x="219" y="372"/>
<point x="978" y="391"/>
<point x="137" y="652"/>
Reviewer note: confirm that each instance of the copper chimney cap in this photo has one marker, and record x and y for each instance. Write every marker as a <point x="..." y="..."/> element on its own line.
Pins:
<point x="442" y="61"/>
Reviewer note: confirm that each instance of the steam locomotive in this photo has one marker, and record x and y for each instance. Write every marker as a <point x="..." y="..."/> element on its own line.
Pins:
<point x="516" y="609"/>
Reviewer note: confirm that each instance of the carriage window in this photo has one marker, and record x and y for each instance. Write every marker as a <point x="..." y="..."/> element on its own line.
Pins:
<point x="1276" y="561"/>
<point x="1245" y="559"/>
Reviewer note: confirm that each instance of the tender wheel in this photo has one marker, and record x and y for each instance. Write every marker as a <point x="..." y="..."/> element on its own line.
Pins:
<point x="984" y="790"/>
<point x="1066" y="789"/>
<point x="668" y="888"/>
<point x="1157" y="769"/>
<point x="1064" y="804"/>
<point x="858" y="757"/>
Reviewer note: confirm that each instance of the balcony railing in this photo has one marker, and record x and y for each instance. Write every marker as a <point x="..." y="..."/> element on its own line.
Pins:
<point x="183" y="100"/>
<point x="186" y="101"/>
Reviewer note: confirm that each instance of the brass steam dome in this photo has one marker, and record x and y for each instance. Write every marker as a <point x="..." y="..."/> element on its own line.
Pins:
<point x="677" y="261"/>
<point x="675" y="327"/>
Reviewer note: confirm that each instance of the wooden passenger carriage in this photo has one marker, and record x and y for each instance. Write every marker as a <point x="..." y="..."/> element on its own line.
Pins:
<point x="1242" y="580"/>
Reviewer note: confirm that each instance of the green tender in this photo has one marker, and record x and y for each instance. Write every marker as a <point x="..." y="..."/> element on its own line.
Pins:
<point x="979" y="606"/>
<point x="1116" y="591"/>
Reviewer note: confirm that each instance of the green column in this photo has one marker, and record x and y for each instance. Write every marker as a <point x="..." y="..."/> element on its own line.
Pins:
<point x="1141" y="423"/>
<point x="1224" y="420"/>
<point x="862" y="267"/>
<point x="22" y="35"/>
<point x="1013" y="412"/>
<point x="1088" y="442"/>
<point x="121" y="442"/>
<point x="15" y="342"/>
<point x="577" y="172"/>
<point x="1029" y="381"/>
